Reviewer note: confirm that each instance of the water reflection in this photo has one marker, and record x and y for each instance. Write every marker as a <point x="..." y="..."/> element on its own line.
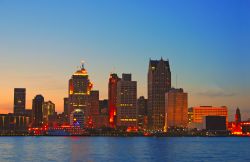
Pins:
<point x="95" y="149"/>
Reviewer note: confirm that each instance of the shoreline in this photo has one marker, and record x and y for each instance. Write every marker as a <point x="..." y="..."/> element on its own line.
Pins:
<point x="111" y="136"/>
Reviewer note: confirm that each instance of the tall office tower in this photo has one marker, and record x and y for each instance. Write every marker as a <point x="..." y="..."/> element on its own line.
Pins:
<point x="142" y="104"/>
<point x="48" y="111"/>
<point x="19" y="101"/>
<point x="93" y="112"/>
<point x="176" y="108"/>
<point x="112" y="99"/>
<point x="65" y="105"/>
<point x="126" y="102"/>
<point x="237" y="116"/>
<point x="79" y="91"/>
<point x="37" y="112"/>
<point x="94" y="103"/>
<point x="159" y="82"/>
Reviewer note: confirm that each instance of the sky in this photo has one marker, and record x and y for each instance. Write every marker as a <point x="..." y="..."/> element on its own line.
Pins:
<point x="42" y="43"/>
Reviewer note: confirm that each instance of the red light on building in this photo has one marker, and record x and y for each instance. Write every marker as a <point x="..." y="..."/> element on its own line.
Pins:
<point x="132" y="129"/>
<point x="112" y="99"/>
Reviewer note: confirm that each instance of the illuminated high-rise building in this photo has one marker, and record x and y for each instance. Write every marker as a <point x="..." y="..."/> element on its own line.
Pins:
<point x="65" y="105"/>
<point x="77" y="118"/>
<point x="48" y="111"/>
<point x="19" y="101"/>
<point x="176" y="108"/>
<point x="92" y="115"/>
<point x="79" y="91"/>
<point x="94" y="102"/>
<point x="237" y="116"/>
<point x="126" y="102"/>
<point x="159" y="82"/>
<point x="142" y="105"/>
<point x="112" y="99"/>
<point x="37" y="112"/>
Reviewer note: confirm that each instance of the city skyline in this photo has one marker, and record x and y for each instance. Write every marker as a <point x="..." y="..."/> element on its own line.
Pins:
<point x="231" y="115"/>
<point x="209" y="54"/>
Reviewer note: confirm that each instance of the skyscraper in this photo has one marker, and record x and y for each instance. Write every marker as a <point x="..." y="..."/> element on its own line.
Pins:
<point x="48" y="111"/>
<point x="126" y="102"/>
<point x="65" y="105"/>
<point x="93" y="114"/>
<point x="159" y="82"/>
<point x="94" y="102"/>
<point x="79" y="91"/>
<point x="176" y="108"/>
<point x="37" y="113"/>
<point x="237" y="116"/>
<point x="142" y="105"/>
<point x="19" y="101"/>
<point x="112" y="98"/>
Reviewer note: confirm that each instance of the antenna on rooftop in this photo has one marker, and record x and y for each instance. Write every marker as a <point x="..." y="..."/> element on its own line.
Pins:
<point x="82" y="64"/>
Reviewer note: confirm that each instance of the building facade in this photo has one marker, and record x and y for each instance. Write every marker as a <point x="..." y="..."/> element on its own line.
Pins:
<point x="159" y="82"/>
<point x="176" y="108"/>
<point x="37" y="111"/>
<point x="13" y="123"/>
<point x="126" y="102"/>
<point x="112" y="99"/>
<point x="79" y="91"/>
<point x="214" y="123"/>
<point x="19" y="101"/>
<point x="142" y="106"/>
<point x="200" y="112"/>
<point x="237" y="116"/>
<point x="104" y="107"/>
<point x="65" y="105"/>
<point x="77" y="118"/>
<point x="48" y="112"/>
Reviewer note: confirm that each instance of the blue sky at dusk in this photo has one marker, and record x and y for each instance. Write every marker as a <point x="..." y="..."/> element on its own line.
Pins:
<point x="207" y="43"/>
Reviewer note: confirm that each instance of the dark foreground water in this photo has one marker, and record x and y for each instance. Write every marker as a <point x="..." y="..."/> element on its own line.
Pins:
<point x="139" y="149"/>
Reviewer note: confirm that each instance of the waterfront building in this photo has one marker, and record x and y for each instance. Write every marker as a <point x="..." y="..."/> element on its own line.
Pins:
<point x="65" y="105"/>
<point x="126" y="102"/>
<point x="198" y="114"/>
<point x="94" y="102"/>
<point x="214" y="123"/>
<point x="62" y="119"/>
<point x="28" y="113"/>
<point x="237" y="116"/>
<point x="236" y="127"/>
<point x="13" y="123"/>
<point x="159" y="83"/>
<point x="112" y="99"/>
<point x="104" y="107"/>
<point x="77" y="118"/>
<point x="37" y="113"/>
<point x="19" y="101"/>
<point x="176" y="108"/>
<point x="93" y="114"/>
<point x="79" y="91"/>
<point x="48" y="112"/>
<point x="142" y="105"/>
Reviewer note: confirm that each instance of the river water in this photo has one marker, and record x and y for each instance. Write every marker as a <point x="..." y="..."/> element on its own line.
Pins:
<point x="127" y="149"/>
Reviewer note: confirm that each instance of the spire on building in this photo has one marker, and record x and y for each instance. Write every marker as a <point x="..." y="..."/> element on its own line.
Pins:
<point x="82" y="64"/>
<point x="237" y="116"/>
